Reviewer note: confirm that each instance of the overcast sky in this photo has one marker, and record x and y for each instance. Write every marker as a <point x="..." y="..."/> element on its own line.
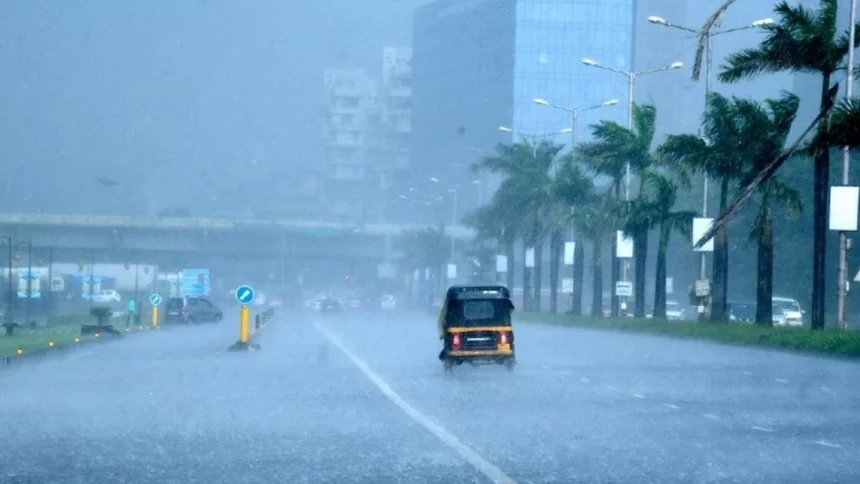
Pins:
<point x="183" y="100"/>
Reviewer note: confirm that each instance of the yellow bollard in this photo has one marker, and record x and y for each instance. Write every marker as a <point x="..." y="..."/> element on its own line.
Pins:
<point x="154" y="316"/>
<point x="243" y="325"/>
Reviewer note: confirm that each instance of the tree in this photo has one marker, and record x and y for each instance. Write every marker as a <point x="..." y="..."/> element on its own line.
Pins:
<point x="573" y="189"/>
<point x="615" y="146"/>
<point x="844" y="125"/>
<point x="766" y="129"/>
<point x="491" y="226"/>
<point x="426" y="248"/>
<point x="802" y="40"/>
<point x="716" y="154"/>
<point x="596" y="221"/>
<point x="523" y="199"/>
<point x="662" y="193"/>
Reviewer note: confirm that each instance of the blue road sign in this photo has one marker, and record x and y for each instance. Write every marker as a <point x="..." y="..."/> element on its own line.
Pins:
<point x="245" y="294"/>
<point x="155" y="299"/>
<point x="194" y="282"/>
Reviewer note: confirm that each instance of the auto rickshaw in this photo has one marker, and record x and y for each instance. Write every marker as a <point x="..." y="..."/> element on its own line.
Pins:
<point x="475" y="327"/>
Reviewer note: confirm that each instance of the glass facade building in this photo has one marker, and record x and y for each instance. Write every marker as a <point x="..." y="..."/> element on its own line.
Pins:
<point x="478" y="65"/>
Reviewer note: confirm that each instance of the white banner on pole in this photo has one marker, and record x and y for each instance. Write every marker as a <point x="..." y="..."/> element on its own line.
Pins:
<point x="623" y="246"/>
<point x="501" y="263"/>
<point x="700" y="226"/>
<point x="530" y="257"/>
<point x="843" y="208"/>
<point x="670" y="285"/>
<point x="569" y="249"/>
<point x="452" y="271"/>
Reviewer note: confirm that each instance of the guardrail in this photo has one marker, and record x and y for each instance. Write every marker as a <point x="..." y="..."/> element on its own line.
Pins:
<point x="262" y="319"/>
<point x="247" y="331"/>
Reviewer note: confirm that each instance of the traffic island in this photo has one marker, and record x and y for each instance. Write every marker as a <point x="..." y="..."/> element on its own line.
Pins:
<point x="244" y="295"/>
<point x="240" y="346"/>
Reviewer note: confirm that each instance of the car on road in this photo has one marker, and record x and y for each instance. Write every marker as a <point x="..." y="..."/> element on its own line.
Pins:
<point x="388" y="302"/>
<point x="742" y="311"/>
<point x="787" y="312"/>
<point x="330" y="305"/>
<point x="191" y="310"/>
<point x="674" y="311"/>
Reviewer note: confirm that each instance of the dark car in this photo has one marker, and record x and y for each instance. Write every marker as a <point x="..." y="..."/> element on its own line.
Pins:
<point x="191" y="310"/>
<point x="742" y="311"/>
<point x="330" y="305"/>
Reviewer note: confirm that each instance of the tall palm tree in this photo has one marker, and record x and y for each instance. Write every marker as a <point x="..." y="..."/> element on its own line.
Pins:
<point x="491" y="226"/>
<point x="717" y="154"/>
<point x="524" y="200"/>
<point x="615" y="146"/>
<point x="662" y="193"/>
<point x="573" y="189"/>
<point x="766" y="128"/>
<point x="802" y="40"/>
<point x="596" y="221"/>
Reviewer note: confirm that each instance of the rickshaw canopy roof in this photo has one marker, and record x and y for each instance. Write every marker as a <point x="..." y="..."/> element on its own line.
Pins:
<point x="477" y="292"/>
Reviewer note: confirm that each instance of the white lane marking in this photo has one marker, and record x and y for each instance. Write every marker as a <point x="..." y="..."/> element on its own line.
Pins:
<point x="467" y="453"/>
<point x="585" y="380"/>
<point x="825" y="443"/>
<point x="610" y="387"/>
<point x="711" y="416"/>
<point x="761" y="429"/>
<point x="637" y="395"/>
<point x="669" y="405"/>
<point x="780" y="380"/>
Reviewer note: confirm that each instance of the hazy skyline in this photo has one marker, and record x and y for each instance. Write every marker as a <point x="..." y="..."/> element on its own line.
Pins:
<point x="182" y="103"/>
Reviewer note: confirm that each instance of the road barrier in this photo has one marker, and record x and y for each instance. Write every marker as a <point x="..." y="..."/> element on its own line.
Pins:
<point x="247" y="332"/>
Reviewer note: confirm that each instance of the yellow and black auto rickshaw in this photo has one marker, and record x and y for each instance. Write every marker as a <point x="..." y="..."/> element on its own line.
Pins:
<point x="475" y="327"/>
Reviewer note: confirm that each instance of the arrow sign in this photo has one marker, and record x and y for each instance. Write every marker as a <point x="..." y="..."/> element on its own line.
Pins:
<point x="245" y="294"/>
<point x="155" y="299"/>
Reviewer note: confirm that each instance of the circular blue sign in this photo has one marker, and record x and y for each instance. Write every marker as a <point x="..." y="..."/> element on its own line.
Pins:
<point x="155" y="299"/>
<point x="245" y="294"/>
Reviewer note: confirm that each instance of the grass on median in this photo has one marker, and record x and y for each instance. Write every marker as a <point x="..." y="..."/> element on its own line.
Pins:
<point x="830" y="341"/>
<point x="62" y="330"/>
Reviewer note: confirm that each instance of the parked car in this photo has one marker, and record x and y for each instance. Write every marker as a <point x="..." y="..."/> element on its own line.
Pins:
<point x="330" y="305"/>
<point x="742" y="311"/>
<point x="787" y="312"/>
<point x="388" y="302"/>
<point x="191" y="310"/>
<point x="105" y="296"/>
<point x="674" y="311"/>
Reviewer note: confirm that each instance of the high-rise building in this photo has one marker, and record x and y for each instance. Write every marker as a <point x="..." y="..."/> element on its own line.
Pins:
<point x="478" y="65"/>
<point x="368" y="124"/>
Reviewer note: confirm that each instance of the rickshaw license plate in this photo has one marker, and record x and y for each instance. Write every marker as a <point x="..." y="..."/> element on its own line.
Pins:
<point x="505" y="347"/>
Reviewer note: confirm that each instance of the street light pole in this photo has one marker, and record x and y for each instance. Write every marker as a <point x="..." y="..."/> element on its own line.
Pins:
<point x="709" y="63"/>
<point x="631" y="81"/>
<point x="846" y="164"/>
<point x="453" y="223"/>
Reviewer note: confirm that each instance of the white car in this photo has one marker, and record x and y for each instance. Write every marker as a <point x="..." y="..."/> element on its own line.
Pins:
<point x="674" y="311"/>
<point x="388" y="302"/>
<point x="787" y="312"/>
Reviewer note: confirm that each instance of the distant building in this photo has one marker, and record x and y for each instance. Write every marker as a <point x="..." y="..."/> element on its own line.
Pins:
<point x="368" y="124"/>
<point x="478" y="65"/>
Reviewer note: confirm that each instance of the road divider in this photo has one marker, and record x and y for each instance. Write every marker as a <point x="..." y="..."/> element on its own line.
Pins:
<point x="245" y="295"/>
<point x="828" y="341"/>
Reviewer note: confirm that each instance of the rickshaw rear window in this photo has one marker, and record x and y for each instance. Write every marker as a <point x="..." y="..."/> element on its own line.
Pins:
<point x="475" y="310"/>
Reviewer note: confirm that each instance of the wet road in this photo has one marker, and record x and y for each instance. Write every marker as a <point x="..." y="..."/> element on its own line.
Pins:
<point x="362" y="398"/>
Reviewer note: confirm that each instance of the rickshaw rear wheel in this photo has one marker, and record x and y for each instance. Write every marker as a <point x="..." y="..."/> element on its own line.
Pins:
<point x="510" y="364"/>
<point x="448" y="365"/>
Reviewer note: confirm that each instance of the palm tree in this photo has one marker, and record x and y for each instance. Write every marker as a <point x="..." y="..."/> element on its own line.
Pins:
<point x="491" y="226"/>
<point x="523" y="199"/>
<point x="596" y="222"/>
<point x="802" y="40"/>
<point x="662" y="193"/>
<point x="845" y="124"/>
<point x="716" y="154"/>
<point x="573" y="189"/>
<point x="766" y="129"/>
<point x="426" y="248"/>
<point x="615" y="146"/>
